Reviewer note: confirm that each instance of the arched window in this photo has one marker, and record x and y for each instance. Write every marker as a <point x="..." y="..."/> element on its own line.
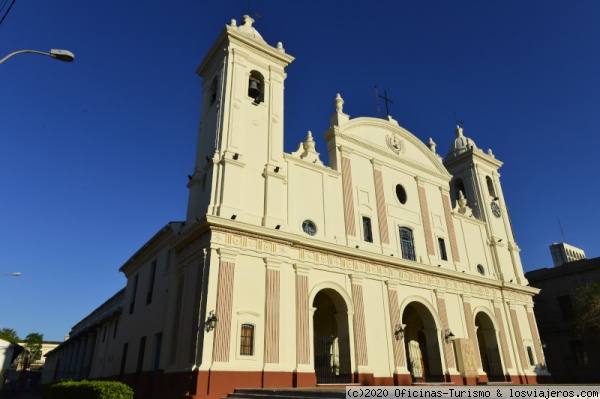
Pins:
<point x="213" y="91"/>
<point x="407" y="244"/>
<point x="247" y="340"/>
<point x="490" y="186"/>
<point x="256" y="87"/>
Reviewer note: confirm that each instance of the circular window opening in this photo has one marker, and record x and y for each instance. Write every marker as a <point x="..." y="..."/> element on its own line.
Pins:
<point x="309" y="228"/>
<point x="401" y="194"/>
<point x="480" y="270"/>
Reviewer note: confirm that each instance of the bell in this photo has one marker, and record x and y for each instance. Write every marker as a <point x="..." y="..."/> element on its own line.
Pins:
<point x="253" y="90"/>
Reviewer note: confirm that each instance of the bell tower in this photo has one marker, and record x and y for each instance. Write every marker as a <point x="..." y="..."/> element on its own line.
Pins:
<point x="239" y="171"/>
<point x="475" y="175"/>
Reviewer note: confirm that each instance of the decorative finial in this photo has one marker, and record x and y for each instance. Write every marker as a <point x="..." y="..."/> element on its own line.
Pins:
<point x="462" y="201"/>
<point x="280" y="47"/>
<point x="306" y="151"/>
<point x="490" y="153"/>
<point x="309" y="144"/>
<point x="233" y="22"/>
<point x="461" y="205"/>
<point x="339" y="103"/>
<point x="431" y="145"/>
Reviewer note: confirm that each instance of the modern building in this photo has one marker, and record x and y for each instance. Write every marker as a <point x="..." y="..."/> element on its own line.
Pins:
<point x="564" y="253"/>
<point x="388" y="266"/>
<point x="573" y="356"/>
<point x="8" y="354"/>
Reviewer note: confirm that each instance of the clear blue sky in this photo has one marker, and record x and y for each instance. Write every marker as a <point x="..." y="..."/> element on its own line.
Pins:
<point x="94" y="155"/>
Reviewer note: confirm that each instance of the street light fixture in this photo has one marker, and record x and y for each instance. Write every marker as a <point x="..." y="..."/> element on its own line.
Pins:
<point x="61" y="55"/>
<point x="15" y="274"/>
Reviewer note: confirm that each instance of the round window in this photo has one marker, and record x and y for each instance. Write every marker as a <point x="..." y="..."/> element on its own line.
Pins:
<point x="401" y="194"/>
<point x="309" y="228"/>
<point x="480" y="270"/>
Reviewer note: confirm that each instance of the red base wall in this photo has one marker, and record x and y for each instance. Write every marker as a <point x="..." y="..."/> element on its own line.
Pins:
<point x="217" y="384"/>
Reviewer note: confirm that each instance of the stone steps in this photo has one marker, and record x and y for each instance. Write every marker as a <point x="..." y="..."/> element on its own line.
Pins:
<point x="289" y="393"/>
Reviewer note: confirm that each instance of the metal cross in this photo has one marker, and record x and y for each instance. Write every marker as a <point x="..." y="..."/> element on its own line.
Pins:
<point x="387" y="100"/>
<point x="455" y="119"/>
<point x="249" y="11"/>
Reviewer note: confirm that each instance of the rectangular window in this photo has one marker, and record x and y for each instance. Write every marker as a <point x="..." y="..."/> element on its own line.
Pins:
<point x="578" y="351"/>
<point x="151" y="282"/>
<point x="135" y="284"/>
<point x="168" y="263"/>
<point x="367" y="232"/>
<point x="407" y="244"/>
<point x="566" y="307"/>
<point x="115" y="330"/>
<point x="442" y="244"/>
<point x="530" y="355"/>
<point x="157" y="348"/>
<point x="140" y="362"/>
<point x="247" y="340"/>
<point x="123" y="359"/>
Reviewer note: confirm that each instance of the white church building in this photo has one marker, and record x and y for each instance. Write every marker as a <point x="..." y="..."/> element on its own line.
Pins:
<point x="390" y="266"/>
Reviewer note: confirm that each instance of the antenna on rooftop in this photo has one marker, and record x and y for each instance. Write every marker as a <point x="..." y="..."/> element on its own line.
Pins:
<point x="377" y="102"/>
<point x="249" y="10"/>
<point x="561" y="229"/>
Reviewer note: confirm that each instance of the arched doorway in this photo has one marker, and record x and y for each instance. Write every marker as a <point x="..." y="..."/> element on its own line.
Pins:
<point x="488" y="347"/>
<point x="331" y="338"/>
<point x="421" y="343"/>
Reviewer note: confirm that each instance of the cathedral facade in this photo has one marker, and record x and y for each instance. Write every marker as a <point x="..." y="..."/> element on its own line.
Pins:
<point x="390" y="266"/>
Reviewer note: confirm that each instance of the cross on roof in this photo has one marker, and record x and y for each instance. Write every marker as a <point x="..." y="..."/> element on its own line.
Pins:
<point x="249" y="10"/>
<point x="455" y="119"/>
<point x="387" y="100"/>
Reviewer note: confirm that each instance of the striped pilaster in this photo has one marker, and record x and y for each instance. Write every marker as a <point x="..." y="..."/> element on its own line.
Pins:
<point x="272" y="312"/>
<point x="360" y="336"/>
<point x="450" y="225"/>
<point x="396" y="319"/>
<point x="348" y="196"/>
<point x="380" y="200"/>
<point x="224" y="309"/>
<point x="518" y="338"/>
<point x="535" y="336"/>
<point x="426" y="221"/>
<point x="471" y="330"/>
<point x="503" y="341"/>
<point x="448" y="348"/>
<point x="303" y="333"/>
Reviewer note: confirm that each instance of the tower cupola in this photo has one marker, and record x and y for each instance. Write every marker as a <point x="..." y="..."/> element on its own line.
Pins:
<point x="460" y="145"/>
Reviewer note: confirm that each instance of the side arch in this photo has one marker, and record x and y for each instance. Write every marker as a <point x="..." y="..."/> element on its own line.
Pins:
<point x="332" y="335"/>
<point x="488" y="343"/>
<point x="323" y="285"/>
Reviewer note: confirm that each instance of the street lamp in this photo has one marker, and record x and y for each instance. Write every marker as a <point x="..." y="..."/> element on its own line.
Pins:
<point x="62" y="55"/>
<point x="15" y="274"/>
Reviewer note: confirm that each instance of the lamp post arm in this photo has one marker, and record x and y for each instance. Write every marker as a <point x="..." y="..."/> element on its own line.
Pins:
<point x="23" y="51"/>
<point x="62" y="55"/>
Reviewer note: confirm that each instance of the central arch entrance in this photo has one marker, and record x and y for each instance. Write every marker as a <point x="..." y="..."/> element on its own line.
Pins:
<point x="422" y="346"/>
<point x="488" y="347"/>
<point x="331" y="338"/>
